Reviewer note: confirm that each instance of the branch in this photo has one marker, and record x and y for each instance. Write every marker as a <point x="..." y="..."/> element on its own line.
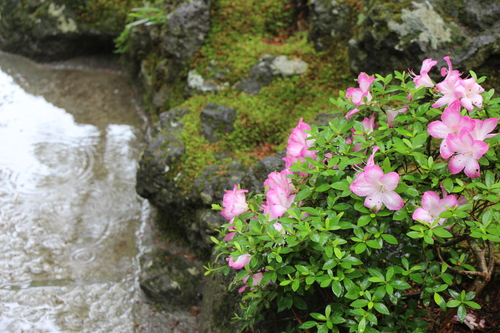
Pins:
<point x="299" y="319"/>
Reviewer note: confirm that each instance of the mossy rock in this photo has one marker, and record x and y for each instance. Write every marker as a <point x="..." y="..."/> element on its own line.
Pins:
<point x="55" y="30"/>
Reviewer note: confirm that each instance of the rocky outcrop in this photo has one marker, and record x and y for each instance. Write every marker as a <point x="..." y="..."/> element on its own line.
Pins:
<point x="187" y="210"/>
<point x="159" y="54"/>
<point x="55" y="30"/>
<point x="385" y="36"/>
<point x="171" y="279"/>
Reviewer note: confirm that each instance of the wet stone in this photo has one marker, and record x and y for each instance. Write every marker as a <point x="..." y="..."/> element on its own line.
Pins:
<point x="217" y="121"/>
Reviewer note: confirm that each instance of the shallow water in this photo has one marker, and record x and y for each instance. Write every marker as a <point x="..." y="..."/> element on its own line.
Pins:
<point x="71" y="224"/>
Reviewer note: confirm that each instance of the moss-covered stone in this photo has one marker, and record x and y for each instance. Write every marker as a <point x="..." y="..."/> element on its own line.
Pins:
<point x="54" y="30"/>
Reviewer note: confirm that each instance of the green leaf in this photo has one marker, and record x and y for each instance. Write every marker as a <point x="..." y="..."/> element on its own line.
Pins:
<point x="286" y="270"/>
<point x="400" y="215"/>
<point x="308" y="324"/>
<point x="461" y="313"/>
<point x="380" y="307"/>
<point x="373" y="244"/>
<point x="341" y="186"/>
<point x="472" y="304"/>
<point x="390" y="239"/>
<point x="437" y="298"/>
<point x="362" y="325"/>
<point x="360" y="303"/>
<point x="323" y="188"/>
<point x="303" y="194"/>
<point x="400" y="284"/>
<point x="299" y="303"/>
<point x="329" y="264"/>
<point x="337" y="288"/>
<point x="377" y="273"/>
<point x="442" y="232"/>
<point x="364" y="220"/>
<point x="360" y="248"/>
<point x="453" y="303"/>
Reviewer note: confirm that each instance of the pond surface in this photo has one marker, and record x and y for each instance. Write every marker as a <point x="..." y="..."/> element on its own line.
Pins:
<point x="71" y="224"/>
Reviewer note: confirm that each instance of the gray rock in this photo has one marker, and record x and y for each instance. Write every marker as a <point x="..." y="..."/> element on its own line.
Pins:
<point x="217" y="121"/>
<point x="268" y="67"/>
<point x="185" y="30"/>
<point x="329" y="19"/>
<point x="400" y="35"/>
<point x="51" y="30"/>
<point x="219" y="305"/>
<point x="170" y="279"/>
<point x="158" y="54"/>
<point x="259" y="76"/>
<point x="187" y="213"/>
<point x="284" y="67"/>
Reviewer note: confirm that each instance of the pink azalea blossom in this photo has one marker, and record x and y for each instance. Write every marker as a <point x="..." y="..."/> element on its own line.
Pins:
<point x="470" y="321"/>
<point x="433" y="206"/>
<point x="279" y="228"/>
<point x="469" y="91"/>
<point x="256" y="278"/>
<point x="451" y="122"/>
<point x="423" y="79"/>
<point x="377" y="187"/>
<point x="361" y="95"/>
<point x="280" y="179"/>
<point x="279" y="200"/>
<point x="447" y="87"/>
<point x="299" y="142"/>
<point x="482" y="128"/>
<point x="230" y="236"/>
<point x="234" y="203"/>
<point x="391" y="113"/>
<point x="240" y="262"/>
<point x="369" y="125"/>
<point x="299" y="145"/>
<point x="467" y="152"/>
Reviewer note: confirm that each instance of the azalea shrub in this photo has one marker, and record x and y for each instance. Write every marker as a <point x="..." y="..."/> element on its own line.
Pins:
<point x="388" y="211"/>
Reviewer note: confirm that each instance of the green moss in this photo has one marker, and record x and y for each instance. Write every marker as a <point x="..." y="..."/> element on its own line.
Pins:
<point x="106" y="15"/>
<point x="264" y="120"/>
<point x="241" y="32"/>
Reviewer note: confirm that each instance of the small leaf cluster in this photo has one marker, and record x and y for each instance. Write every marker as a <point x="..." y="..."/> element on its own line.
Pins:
<point x="337" y="265"/>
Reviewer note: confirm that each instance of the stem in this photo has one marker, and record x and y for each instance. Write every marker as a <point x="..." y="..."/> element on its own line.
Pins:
<point x="482" y="277"/>
<point x="297" y="317"/>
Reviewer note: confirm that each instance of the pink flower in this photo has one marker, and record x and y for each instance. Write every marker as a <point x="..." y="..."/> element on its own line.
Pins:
<point x="298" y="142"/>
<point x="278" y="200"/>
<point x="392" y="113"/>
<point x="256" y="278"/>
<point x="433" y="206"/>
<point x="377" y="187"/>
<point x="230" y="236"/>
<point x="451" y="122"/>
<point x="470" y="321"/>
<point x="369" y="125"/>
<point x="359" y="95"/>
<point x="423" y="79"/>
<point x="468" y="151"/>
<point x="469" y="91"/>
<point x="482" y="128"/>
<point x="240" y="262"/>
<point x="234" y="203"/>
<point x="279" y="179"/>
<point x="447" y="87"/>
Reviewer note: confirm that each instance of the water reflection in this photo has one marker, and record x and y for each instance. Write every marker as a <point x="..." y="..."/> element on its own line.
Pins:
<point x="69" y="211"/>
